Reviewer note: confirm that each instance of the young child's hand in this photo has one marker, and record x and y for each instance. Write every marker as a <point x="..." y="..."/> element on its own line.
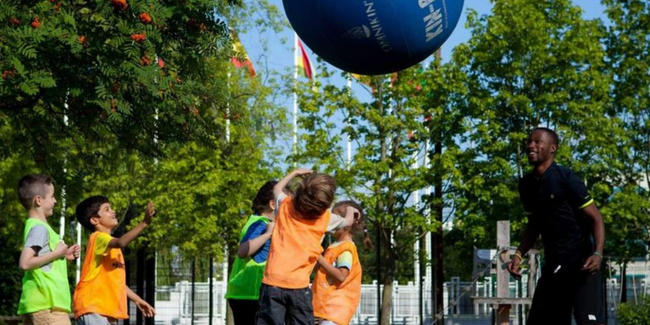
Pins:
<point x="61" y="249"/>
<point x="72" y="253"/>
<point x="355" y="212"/>
<point x="303" y="171"/>
<point x="269" y="227"/>
<point x="149" y="213"/>
<point x="146" y="308"/>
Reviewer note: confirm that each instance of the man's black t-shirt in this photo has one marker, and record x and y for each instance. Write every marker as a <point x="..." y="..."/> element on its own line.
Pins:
<point x="553" y="203"/>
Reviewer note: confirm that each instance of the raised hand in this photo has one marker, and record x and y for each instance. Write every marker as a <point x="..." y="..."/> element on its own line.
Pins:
<point x="303" y="171"/>
<point x="149" y="213"/>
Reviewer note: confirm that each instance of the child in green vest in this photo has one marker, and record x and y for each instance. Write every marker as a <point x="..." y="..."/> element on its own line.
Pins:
<point x="254" y="242"/>
<point x="45" y="298"/>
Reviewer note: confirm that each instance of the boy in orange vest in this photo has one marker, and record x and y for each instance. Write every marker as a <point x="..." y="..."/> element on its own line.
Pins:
<point x="301" y="222"/>
<point x="337" y="286"/>
<point x="100" y="297"/>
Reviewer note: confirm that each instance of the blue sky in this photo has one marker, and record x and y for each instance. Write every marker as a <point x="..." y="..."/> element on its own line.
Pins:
<point x="280" y="56"/>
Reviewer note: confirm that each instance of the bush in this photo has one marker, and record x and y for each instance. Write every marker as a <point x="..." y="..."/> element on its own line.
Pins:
<point x="635" y="314"/>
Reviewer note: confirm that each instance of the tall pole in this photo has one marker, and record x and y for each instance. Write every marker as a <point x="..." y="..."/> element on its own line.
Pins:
<point x="295" y="97"/>
<point x="437" y="242"/>
<point x="348" y="156"/>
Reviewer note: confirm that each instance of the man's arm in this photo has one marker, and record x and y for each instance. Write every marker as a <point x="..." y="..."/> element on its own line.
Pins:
<point x="592" y="263"/>
<point x="277" y="189"/>
<point x="132" y="234"/>
<point x="530" y="236"/>
<point x="580" y="199"/>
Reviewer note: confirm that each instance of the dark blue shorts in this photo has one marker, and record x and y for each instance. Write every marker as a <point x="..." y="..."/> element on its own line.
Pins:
<point x="279" y="306"/>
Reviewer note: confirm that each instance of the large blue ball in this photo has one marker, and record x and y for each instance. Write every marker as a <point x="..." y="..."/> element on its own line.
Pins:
<point x="373" y="36"/>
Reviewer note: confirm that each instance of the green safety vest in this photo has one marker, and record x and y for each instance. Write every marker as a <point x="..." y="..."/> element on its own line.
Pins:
<point x="45" y="290"/>
<point x="246" y="276"/>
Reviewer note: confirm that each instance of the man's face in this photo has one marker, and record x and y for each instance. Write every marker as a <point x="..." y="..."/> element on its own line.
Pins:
<point x="541" y="147"/>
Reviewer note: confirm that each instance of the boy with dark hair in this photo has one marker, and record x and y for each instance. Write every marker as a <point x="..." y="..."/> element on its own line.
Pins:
<point x="301" y="222"/>
<point x="101" y="294"/>
<point x="45" y="298"/>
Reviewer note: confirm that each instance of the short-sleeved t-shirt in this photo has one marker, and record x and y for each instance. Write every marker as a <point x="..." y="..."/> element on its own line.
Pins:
<point x="255" y="230"/>
<point x="344" y="259"/>
<point x="336" y="221"/>
<point x="39" y="240"/>
<point x="553" y="203"/>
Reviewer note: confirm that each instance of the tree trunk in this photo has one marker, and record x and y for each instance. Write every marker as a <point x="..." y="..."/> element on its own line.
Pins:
<point x="387" y="294"/>
<point x="437" y="211"/>
<point x="386" y="302"/>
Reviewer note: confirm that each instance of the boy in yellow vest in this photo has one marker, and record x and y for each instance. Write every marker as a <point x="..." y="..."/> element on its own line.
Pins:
<point x="45" y="298"/>
<point x="301" y="222"/>
<point x="337" y="286"/>
<point x="101" y="294"/>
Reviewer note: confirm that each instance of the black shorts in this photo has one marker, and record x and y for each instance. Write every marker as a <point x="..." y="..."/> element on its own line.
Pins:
<point x="279" y="306"/>
<point x="559" y="294"/>
<point x="244" y="312"/>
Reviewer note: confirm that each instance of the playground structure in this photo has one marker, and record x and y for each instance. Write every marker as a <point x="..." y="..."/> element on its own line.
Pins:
<point x="503" y="301"/>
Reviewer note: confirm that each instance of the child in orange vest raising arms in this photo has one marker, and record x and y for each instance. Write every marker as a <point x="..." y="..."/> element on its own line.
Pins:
<point x="101" y="294"/>
<point x="301" y="222"/>
<point x="337" y="286"/>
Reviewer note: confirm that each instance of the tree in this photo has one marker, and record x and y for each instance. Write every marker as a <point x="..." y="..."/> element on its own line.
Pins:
<point x="388" y="134"/>
<point x="126" y="99"/>
<point x="628" y="202"/>
<point x="528" y="64"/>
<point x="125" y="71"/>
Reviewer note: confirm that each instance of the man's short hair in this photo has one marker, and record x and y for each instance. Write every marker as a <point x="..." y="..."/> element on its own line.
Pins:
<point x="550" y="132"/>
<point x="314" y="195"/>
<point x="89" y="208"/>
<point x="30" y="186"/>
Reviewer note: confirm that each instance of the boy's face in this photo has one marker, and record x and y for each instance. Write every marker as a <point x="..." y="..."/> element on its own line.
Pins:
<point x="47" y="201"/>
<point x="105" y="217"/>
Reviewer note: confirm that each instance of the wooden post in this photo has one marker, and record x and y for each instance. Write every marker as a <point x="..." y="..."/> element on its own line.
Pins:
<point x="532" y="273"/>
<point x="503" y="277"/>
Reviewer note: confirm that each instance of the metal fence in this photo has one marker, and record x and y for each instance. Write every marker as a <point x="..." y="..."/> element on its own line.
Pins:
<point x="186" y="296"/>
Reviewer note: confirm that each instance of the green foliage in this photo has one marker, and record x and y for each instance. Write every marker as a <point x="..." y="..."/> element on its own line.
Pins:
<point x="528" y="64"/>
<point x="634" y="314"/>
<point x="628" y="203"/>
<point x="127" y="70"/>
<point x="84" y="99"/>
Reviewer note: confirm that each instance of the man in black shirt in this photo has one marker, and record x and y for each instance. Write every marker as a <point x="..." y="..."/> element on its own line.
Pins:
<point x="561" y="210"/>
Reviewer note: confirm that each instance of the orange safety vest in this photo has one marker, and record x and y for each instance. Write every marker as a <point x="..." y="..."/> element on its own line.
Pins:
<point x="104" y="290"/>
<point x="295" y="247"/>
<point x="337" y="302"/>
